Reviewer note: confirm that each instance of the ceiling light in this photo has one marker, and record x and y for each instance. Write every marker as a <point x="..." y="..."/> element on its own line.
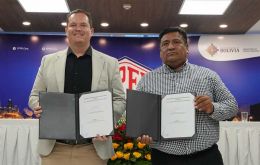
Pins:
<point x="104" y="24"/>
<point x="127" y="6"/>
<point x="64" y="24"/>
<point x="184" y="25"/>
<point x="204" y="7"/>
<point x="49" y="6"/>
<point x="26" y="23"/>
<point x="144" y="24"/>
<point x="223" y="26"/>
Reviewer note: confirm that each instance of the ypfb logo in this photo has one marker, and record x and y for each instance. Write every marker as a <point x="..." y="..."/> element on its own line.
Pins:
<point x="131" y="72"/>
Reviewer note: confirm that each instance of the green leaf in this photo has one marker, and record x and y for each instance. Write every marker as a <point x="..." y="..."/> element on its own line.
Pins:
<point x="143" y="162"/>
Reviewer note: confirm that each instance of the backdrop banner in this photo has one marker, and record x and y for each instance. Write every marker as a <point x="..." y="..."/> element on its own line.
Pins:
<point x="236" y="58"/>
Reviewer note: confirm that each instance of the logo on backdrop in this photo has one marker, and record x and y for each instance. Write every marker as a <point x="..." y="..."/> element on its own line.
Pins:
<point x="49" y="49"/>
<point x="131" y="72"/>
<point x="20" y="48"/>
<point x="229" y="48"/>
<point x="212" y="49"/>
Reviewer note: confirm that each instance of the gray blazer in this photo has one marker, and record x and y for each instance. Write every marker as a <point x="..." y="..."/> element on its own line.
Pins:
<point x="105" y="75"/>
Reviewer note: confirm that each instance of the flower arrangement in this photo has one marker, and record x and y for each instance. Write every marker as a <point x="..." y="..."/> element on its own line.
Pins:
<point x="127" y="150"/>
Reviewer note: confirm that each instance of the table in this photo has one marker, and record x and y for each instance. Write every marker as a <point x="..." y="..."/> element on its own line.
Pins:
<point x="18" y="142"/>
<point x="239" y="143"/>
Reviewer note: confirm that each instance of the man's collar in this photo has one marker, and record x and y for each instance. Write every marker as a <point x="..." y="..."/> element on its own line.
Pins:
<point x="88" y="51"/>
<point x="181" y="68"/>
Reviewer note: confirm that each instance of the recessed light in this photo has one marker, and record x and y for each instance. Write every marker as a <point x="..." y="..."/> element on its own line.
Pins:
<point x="184" y="25"/>
<point x="104" y="24"/>
<point x="223" y="26"/>
<point x="127" y="6"/>
<point x="26" y="23"/>
<point x="64" y="24"/>
<point x="144" y="24"/>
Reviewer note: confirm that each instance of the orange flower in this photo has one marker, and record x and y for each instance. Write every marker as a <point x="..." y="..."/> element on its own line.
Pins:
<point x="148" y="156"/>
<point x="115" y="145"/>
<point x="114" y="157"/>
<point x="137" y="154"/>
<point x="126" y="156"/>
<point x="128" y="146"/>
<point x="128" y="149"/>
<point x="140" y="145"/>
<point x="119" y="154"/>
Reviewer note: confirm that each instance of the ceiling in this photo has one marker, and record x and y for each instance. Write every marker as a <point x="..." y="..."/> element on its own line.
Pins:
<point x="241" y="16"/>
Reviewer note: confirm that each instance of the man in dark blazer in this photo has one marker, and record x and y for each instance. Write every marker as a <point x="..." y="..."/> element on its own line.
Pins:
<point x="79" y="68"/>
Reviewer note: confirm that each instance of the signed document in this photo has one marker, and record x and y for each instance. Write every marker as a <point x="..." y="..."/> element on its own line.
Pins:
<point x="75" y="116"/>
<point x="96" y="114"/>
<point x="162" y="118"/>
<point x="178" y="116"/>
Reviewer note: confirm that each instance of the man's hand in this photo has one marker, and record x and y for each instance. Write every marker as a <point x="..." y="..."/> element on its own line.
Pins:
<point x="100" y="138"/>
<point x="204" y="104"/>
<point x="37" y="111"/>
<point x="145" y="139"/>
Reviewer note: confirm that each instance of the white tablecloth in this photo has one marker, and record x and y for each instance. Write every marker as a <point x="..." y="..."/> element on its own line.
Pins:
<point x="18" y="142"/>
<point x="239" y="143"/>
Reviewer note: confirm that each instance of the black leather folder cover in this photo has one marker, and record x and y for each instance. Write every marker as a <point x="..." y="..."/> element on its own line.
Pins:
<point x="143" y="115"/>
<point x="60" y="116"/>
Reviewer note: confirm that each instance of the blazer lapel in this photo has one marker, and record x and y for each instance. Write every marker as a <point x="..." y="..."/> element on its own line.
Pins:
<point x="60" y="69"/>
<point x="97" y="68"/>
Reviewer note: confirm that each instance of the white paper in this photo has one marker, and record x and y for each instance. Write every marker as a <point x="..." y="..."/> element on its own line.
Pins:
<point x="95" y="114"/>
<point x="178" y="116"/>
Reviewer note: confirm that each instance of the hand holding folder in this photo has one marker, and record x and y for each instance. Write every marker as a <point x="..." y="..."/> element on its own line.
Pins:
<point x="75" y="116"/>
<point x="165" y="118"/>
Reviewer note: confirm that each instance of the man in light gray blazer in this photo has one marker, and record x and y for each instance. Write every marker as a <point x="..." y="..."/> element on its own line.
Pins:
<point x="80" y="68"/>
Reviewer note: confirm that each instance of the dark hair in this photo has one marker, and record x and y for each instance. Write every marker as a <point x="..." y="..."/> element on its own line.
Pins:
<point x="174" y="29"/>
<point x="81" y="11"/>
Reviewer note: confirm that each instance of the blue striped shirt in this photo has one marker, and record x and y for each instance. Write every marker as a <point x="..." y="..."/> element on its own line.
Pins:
<point x="193" y="79"/>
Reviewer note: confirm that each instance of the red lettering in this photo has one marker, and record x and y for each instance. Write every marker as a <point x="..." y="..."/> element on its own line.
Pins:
<point x="122" y="71"/>
<point x="132" y="79"/>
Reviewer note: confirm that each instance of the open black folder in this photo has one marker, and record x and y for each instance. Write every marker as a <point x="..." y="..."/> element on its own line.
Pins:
<point x="75" y="116"/>
<point x="170" y="117"/>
